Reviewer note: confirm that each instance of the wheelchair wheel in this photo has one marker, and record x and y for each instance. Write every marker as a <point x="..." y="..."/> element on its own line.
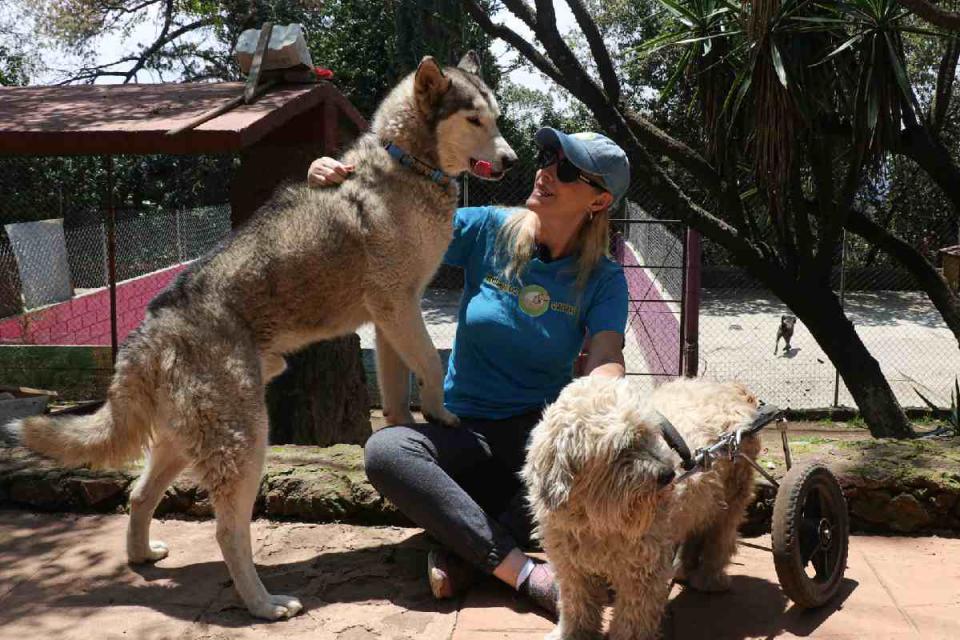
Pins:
<point x="811" y="531"/>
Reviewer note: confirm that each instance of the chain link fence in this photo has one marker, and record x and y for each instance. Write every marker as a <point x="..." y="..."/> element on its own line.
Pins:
<point x="168" y="211"/>
<point x="55" y="233"/>
<point x="739" y="318"/>
<point x="896" y="321"/>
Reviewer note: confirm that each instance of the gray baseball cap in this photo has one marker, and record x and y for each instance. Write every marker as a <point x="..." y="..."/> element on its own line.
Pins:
<point x="594" y="153"/>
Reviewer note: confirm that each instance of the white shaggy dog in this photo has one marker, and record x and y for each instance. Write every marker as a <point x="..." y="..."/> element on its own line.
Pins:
<point x="599" y="476"/>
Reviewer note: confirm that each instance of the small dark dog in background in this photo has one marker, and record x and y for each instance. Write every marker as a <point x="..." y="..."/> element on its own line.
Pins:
<point x="785" y="331"/>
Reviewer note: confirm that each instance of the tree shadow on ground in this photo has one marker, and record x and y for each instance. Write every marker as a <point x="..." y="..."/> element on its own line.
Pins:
<point x="752" y="608"/>
<point x="864" y="308"/>
<point x="393" y="572"/>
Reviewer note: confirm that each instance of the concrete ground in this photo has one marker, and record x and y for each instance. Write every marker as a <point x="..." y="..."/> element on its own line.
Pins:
<point x="65" y="577"/>
<point x="901" y="329"/>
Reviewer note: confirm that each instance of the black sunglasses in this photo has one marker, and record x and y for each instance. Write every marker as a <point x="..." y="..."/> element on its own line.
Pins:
<point x="566" y="170"/>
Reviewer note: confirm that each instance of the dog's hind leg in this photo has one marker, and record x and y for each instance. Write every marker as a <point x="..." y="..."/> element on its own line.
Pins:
<point x="234" y="482"/>
<point x="164" y="462"/>
<point x="688" y="560"/>
<point x="394" y="379"/>
<point x="720" y="538"/>
<point x="719" y="542"/>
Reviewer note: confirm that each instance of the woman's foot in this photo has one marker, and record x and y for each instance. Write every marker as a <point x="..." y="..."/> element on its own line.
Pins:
<point x="449" y="576"/>
<point x="541" y="588"/>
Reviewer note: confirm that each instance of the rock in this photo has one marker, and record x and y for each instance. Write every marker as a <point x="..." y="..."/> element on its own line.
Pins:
<point x="870" y="506"/>
<point x="905" y="514"/>
<point x="98" y="491"/>
<point x="885" y="492"/>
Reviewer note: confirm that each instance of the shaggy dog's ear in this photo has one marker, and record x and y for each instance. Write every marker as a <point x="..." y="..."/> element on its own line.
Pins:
<point x="470" y="62"/>
<point x="429" y="84"/>
<point x="552" y="463"/>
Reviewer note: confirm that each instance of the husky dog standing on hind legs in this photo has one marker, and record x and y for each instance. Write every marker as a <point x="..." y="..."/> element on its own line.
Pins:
<point x="311" y="265"/>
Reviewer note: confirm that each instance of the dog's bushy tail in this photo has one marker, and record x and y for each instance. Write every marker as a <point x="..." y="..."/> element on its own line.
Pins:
<point x="117" y="433"/>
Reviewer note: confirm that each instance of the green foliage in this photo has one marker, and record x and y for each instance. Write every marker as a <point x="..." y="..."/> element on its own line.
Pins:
<point x="369" y="45"/>
<point x="852" y="73"/>
<point x="13" y="68"/>
<point x="953" y="416"/>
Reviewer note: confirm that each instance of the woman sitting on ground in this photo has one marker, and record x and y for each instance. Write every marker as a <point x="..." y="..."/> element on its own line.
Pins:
<point x="537" y="283"/>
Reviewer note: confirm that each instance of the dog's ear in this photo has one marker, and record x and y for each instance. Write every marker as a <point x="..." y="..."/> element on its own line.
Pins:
<point x="429" y="84"/>
<point x="783" y="319"/>
<point x="552" y="463"/>
<point x="470" y="62"/>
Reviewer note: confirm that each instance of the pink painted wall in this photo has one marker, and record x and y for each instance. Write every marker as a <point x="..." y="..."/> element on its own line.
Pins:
<point x="86" y="319"/>
<point x="654" y="323"/>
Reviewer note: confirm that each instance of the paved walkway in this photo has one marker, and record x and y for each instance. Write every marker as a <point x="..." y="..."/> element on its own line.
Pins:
<point x="65" y="577"/>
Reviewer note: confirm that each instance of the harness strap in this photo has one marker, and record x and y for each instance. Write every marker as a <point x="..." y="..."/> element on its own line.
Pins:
<point x="676" y="442"/>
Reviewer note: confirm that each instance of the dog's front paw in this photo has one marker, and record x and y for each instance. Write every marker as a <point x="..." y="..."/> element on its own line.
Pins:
<point x="156" y="551"/>
<point x="277" y="607"/>
<point x="709" y="584"/>
<point x="442" y="417"/>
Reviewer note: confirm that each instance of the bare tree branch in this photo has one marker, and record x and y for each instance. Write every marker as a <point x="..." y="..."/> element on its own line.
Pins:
<point x="662" y="142"/>
<point x="546" y="30"/>
<point x="601" y="55"/>
<point x="511" y="37"/>
<point x="523" y="11"/>
<point x="946" y="75"/>
<point x="933" y="14"/>
<point x="161" y="42"/>
<point x="92" y="73"/>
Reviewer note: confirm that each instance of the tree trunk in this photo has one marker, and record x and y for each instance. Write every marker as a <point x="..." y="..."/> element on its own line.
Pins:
<point x="819" y="310"/>
<point x="918" y="144"/>
<point x="926" y="275"/>
<point x="321" y="399"/>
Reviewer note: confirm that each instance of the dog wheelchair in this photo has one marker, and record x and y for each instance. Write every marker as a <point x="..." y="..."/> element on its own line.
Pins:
<point x="811" y="526"/>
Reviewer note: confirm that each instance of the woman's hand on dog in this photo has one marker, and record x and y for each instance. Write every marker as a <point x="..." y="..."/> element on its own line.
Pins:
<point x="327" y="172"/>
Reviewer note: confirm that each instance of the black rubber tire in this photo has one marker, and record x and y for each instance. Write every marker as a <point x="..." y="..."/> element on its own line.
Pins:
<point x="808" y="496"/>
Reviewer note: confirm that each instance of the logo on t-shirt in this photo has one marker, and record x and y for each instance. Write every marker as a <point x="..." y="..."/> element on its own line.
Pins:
<point x="534" y="300"/>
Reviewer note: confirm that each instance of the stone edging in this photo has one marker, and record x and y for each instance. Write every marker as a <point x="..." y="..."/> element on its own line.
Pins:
<point x="891" y="487"/>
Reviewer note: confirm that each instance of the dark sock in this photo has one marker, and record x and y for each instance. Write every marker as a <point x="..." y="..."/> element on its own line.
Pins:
<point x="542" y="588"/>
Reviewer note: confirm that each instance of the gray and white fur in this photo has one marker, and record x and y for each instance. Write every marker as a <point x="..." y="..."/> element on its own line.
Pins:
<point x="310" y="265"/>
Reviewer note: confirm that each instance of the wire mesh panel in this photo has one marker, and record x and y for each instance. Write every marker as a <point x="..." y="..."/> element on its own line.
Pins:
<point x="652" y="254"/>
<point x="167" y="212"/>
<point x="897" y="322"/>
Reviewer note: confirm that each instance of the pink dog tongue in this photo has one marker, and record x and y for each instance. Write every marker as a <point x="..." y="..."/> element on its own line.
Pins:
<point x="483" y="168"/>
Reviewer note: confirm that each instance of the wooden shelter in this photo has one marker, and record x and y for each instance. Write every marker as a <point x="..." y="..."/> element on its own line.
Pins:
<point x="275" y="137"/>
<point x="322" y="398"/>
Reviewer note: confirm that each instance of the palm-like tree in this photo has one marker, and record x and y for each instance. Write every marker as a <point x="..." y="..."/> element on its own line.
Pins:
<point x="799" y="102"/>
<point x="816" y="98"/>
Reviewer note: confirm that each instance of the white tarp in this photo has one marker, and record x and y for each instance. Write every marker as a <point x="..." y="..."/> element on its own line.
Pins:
<point x="41" y="252"/>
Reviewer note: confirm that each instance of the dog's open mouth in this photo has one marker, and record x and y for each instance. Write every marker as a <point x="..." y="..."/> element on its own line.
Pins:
<point x="483" y="169"/>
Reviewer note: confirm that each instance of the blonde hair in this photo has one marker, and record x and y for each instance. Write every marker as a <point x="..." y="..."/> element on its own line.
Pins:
<point x="517" y="237"/>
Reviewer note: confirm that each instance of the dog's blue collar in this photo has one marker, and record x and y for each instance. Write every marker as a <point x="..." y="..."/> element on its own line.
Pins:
<point x="407" y="160"/>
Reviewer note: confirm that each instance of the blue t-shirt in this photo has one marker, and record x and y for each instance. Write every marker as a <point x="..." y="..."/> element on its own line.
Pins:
<point x="517" y="340"/>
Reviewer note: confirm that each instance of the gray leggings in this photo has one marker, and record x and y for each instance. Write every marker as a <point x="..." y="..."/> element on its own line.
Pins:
<point x="459" y="484"/>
